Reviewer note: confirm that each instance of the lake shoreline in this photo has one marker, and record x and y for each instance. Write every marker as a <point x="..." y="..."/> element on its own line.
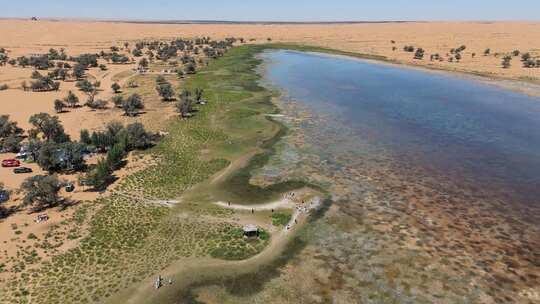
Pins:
<point x="408" y="210"/>
<point x="524" y="86"/>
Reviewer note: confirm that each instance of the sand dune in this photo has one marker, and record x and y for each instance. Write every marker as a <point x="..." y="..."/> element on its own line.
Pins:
<point x="22" y="37"/>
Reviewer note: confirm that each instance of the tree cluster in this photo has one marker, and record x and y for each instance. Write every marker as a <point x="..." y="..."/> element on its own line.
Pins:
<point x="132" y="105"/>
<point x="10" y="135"/>
<point x="117" y="140"/>
<point x="419" y="54"/>
<point x="164" y="89"/>
<point x="42" y="192"/>
<point x="41" y="83"/>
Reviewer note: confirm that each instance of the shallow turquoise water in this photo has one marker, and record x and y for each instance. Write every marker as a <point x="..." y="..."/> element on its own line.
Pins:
<point x="473" y="133"/>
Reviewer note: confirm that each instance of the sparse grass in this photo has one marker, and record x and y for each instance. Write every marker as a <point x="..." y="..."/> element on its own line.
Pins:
<point x="128" y="237"/>
<point x="280" y="219"/>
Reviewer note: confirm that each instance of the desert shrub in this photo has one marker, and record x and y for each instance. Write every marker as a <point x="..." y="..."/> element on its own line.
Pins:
<point x="132" y="105"/>
<point x="419" y="54"/>
<point x="506" y="62"/>
<point x="408" y="48"/>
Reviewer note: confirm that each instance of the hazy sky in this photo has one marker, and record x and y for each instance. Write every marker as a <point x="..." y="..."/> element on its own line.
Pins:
<point x="277" y="10"/>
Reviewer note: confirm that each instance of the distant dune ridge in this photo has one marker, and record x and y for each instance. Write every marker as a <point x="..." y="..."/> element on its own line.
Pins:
<point x="25" y="36"/>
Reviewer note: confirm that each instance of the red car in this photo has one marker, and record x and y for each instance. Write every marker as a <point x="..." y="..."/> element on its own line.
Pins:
<point x="10" y="163"/>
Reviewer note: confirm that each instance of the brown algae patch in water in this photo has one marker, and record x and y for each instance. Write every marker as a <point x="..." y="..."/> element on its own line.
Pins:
<point x="396" y="233"/>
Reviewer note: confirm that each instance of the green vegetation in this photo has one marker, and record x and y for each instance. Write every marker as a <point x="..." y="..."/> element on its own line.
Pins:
<point x="41" y="191"/>
<point x="280" y="219"/>
<point x="10" y="134"/>
<point x="235" y="247"/>
<point x="132" y="105"/>
<point x="130" y="237"/>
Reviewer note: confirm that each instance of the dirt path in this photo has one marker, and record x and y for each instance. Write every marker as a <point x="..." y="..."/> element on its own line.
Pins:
<point x="279" y="204"/>
<point x="236" y="164"/>
<point x="106" y="79"/>
<point x="188" y="271"/>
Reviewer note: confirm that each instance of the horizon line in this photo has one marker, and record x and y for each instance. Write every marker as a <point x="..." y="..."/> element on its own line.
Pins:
<point x="212" y="21"/>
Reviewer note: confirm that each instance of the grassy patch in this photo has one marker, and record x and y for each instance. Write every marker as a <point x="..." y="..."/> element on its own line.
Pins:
<point x="129" y="238"/>
<point x="280" y="219"/>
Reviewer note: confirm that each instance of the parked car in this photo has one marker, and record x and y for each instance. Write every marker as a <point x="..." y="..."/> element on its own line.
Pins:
<point x="10" y="163"/>
<point x="42" y="218"/>
<point x="4" y="196"/>
<point x="22" y="170"/>
<point x="70" y="187"/>
<point x="21" y="155"/>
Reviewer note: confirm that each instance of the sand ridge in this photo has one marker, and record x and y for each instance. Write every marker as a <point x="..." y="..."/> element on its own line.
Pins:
<point x="23" y="36"/>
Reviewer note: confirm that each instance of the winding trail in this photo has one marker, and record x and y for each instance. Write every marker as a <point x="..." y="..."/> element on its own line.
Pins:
<point x="188" y="271"/>
<point x="279" y="204"/>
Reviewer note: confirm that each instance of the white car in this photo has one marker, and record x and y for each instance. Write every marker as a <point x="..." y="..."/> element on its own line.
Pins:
<point x="21" y="155"/>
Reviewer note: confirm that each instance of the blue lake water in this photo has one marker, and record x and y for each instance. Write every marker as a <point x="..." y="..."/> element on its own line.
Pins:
<point x="474" y="133"/>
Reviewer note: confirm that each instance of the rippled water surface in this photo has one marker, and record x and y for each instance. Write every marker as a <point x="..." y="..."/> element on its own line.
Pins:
<point x="476" y="134"/>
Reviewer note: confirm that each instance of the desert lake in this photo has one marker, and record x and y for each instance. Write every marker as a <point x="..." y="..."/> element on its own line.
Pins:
<point x="479" y="135"/>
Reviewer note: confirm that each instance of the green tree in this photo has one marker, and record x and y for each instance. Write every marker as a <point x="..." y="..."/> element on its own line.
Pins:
<point x="79" y="71"/>
<point x="100" y="175"/>
<point x="137" y="137"/>
<point x="115" y="87"/>
<point x="118" y="101"/>
<point x="58" y="105"/>
<point x="97" y="104"/>
<point x="4" y="211"/>
<point x="165" y="91"/>
<point x="114" y="128"/>
<point x="49" y="126"/>
<point x="84" y="85"/>
<point x="102" y="140"/>
<point x="198" y="95"/>
<point x="11" y="143"/>
<point x="419" y="54"/>
<point x="91" y="90"/>
<point x="54" y="157"/>
<point x="525" y="57"/>
<point x="71" y="99"/>
<point x="184" y="106"/>
<point x="180" y="74"/>
<point x="116" y="154"/>
<point x="160" y="80"/>
<point x="8" y="128"/>
<point x="506" y="63"/>
<point x="85" y="137"/>
<point x="190" y="68"/>
<point x="42" y="192"/>
<point x="143" y="62"/>
<point x="132" y="105"/>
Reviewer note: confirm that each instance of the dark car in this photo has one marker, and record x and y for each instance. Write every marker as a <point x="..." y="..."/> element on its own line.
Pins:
<point x="22" y="170"/>
<point x="4" y="196"/>
<point x="70" y="187"/>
